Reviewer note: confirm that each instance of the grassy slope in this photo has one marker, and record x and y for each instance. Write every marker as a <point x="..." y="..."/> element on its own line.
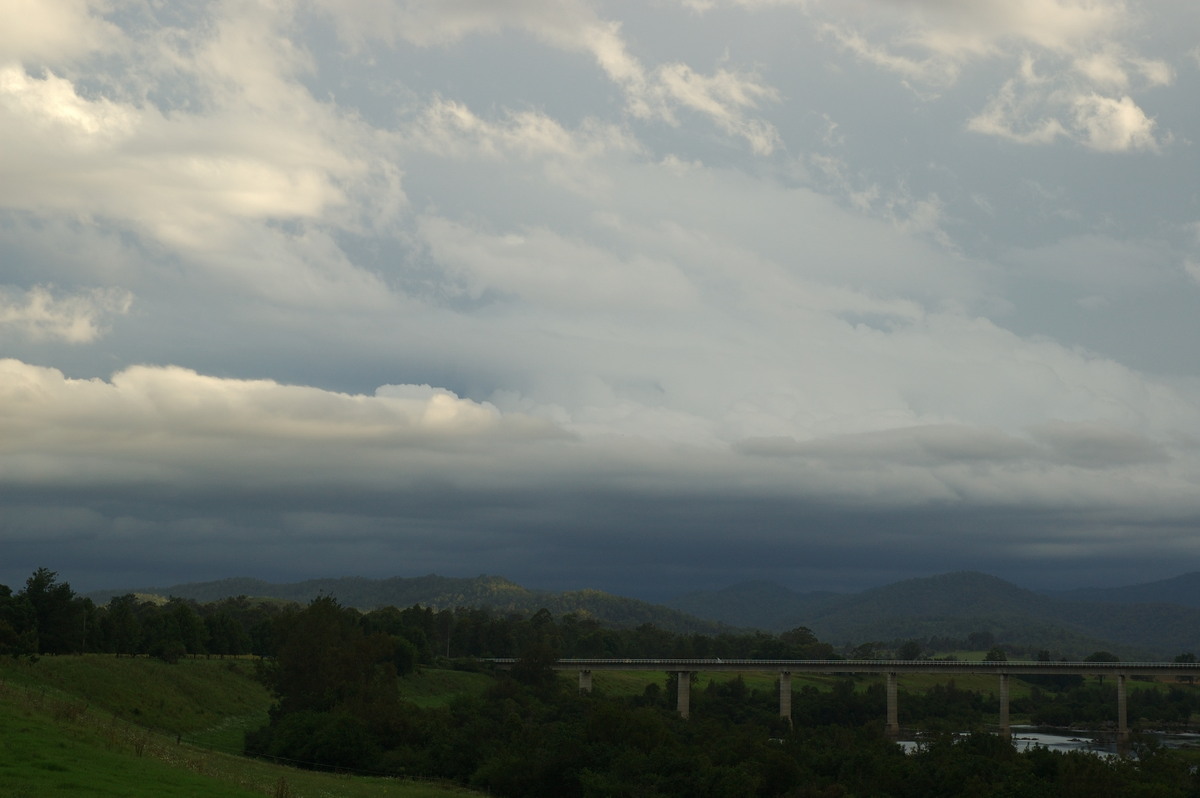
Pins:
<point x="51" y="748"/>
<point x="437" y="688"/>
<point x="98" y="725"/>
<point x="209" y="702"/>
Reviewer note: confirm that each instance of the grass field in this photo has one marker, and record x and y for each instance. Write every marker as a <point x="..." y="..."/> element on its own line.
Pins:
<point x="437" y="688"/>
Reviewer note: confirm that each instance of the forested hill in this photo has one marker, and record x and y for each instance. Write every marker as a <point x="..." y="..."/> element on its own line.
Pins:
<point x="957" y="605"/>
<point x="441" y="592"/>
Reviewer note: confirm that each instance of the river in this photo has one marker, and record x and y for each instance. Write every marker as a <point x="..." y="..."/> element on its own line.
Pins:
<point x="1102" y="743"/>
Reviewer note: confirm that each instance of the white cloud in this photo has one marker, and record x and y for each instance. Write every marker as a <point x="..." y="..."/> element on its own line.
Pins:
<point x="570" y="25"/>
<point x="960" y="32"/>
<point x="707" y="5"/>
<point x="451" y="129"/>
<point x="981" y="27"/>
<point x="40" y="315"/>
<point x="1113" y="125"/>
<point x="723" y="96"/>
<point x="245" y="174"/>
<point x="1029" y="112"/>
<point x="1104" y="70"/>
<point x="936" y="70"/>
<point x="180" y="178"/>
<point x="1086" y="70"/>
<point x="547" y="271"/>
<point x="1016" y="116"/>
<point x="726" y="96"/>
<point x="183" y="420"/>
<point x="50" y="30"/>
<point x="170" y="425"/>
<point x="49" y="109"/>
<point x="1115" y="70"/>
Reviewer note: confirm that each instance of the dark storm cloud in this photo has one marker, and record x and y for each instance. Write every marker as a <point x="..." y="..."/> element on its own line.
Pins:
<point x="648" y="547"/>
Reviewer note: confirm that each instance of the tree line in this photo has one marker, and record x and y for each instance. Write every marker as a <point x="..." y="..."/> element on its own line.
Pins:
<point x="47" y="617"/>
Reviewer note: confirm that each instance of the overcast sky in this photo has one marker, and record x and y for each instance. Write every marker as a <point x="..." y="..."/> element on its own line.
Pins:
<point x="644" y="296"/>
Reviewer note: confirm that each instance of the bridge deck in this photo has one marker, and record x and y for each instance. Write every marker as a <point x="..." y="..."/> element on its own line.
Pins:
<point x="875" y="666"/>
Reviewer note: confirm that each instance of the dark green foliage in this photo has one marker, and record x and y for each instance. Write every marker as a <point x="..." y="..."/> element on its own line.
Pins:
<point x="338" y="701"/>
<point x="840" y="706"/>
<point x="169" y="650"/>
<point x="1092" y="704"/>
<point x="47" y="617"/>
<point x="18" y="624"/>
<point x="946" y="705"/>
<point x="325" y="660"/>
<point x="176" y="628"/>
<point x="59" y="616"/>
<point x="120" y="625"/>
<point x="225" y="635"/>
<point x="320" y="740"/>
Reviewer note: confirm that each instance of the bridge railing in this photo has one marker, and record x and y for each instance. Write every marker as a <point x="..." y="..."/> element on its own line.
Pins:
<point x="1013" y="667"/>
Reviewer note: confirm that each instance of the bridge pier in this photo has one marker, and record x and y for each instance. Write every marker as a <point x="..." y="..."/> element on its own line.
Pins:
<point x="685" y="668"/>
<point x="1122" y="716"/>
<point x="1005" y="727"/>
<point x="785" y="696"/>
<point x="893" y="712"/>
<point x="683" y="693"/>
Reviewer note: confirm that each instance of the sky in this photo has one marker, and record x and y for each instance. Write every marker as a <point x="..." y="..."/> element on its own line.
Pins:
<point x="648" y="296"/>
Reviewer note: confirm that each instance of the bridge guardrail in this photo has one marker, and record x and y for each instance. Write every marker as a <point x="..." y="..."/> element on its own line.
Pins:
<point x="871" y="666"/>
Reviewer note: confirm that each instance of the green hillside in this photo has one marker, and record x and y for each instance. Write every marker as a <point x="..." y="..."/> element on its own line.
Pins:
<point x="98" y="725"/>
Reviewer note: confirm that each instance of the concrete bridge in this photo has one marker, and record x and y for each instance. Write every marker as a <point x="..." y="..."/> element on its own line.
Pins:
<point x="892" y="669"/>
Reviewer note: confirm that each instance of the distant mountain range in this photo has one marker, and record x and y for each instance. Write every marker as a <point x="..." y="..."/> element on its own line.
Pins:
<point x="1182" y="590"/>
<point x="1155" y="620"/>
<point x="1159" y="619"/>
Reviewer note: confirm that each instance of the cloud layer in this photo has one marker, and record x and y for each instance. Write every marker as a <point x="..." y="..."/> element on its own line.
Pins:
<point x="591" y="294"/>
